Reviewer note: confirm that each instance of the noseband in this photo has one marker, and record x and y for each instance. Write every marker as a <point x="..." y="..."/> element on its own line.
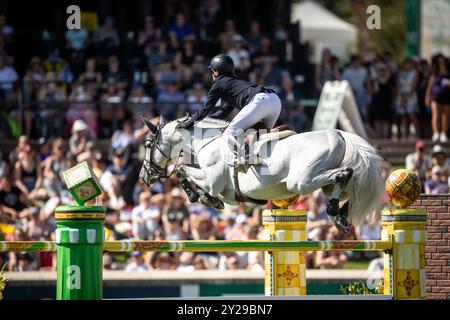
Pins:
<point x="152" y="169"/>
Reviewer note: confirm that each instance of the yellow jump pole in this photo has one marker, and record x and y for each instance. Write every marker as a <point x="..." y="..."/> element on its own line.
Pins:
<point x="285" y="271"/>
<point x="404" y="267"/>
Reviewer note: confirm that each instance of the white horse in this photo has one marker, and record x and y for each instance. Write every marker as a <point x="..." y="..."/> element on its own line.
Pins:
<point x="343" y="164"/>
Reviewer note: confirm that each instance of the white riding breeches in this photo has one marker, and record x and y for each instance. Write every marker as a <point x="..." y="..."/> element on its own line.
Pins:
<point x="265" y="107"/>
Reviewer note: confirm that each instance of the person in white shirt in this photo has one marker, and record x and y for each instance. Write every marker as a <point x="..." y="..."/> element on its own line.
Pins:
<point x="239" y="55"/>
<point x="145" y="218"/>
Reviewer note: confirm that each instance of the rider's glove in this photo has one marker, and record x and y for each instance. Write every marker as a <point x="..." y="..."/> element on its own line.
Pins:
<point x="186" y="123"/>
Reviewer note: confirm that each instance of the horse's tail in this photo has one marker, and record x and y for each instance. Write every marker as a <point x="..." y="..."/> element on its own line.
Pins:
<point x="365" y="190"/>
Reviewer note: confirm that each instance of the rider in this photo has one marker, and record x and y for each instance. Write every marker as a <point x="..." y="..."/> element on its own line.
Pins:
<point x="256" y="104"/>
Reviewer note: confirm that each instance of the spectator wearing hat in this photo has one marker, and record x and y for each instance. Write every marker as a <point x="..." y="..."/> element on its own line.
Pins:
<point x="437" y="183"/>
<point x="420" y="161"/>
<point x="439" y="157"/>
<point x="240" y="56"/>
<point x="137" y="263"/>
<point x="79" y="138"/>
<point x="175" y="215"/>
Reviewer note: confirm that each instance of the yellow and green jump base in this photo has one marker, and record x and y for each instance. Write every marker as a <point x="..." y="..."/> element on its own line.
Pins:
<point x="80" y="245"/>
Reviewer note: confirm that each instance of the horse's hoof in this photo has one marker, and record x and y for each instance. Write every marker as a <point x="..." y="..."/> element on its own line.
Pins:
<point x="341" y="223"/>
<point x="210" y="201"/>
<point x="333" y="207"/>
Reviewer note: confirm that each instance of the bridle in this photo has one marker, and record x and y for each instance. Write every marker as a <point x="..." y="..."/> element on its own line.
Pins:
<point x="153" y="169"/>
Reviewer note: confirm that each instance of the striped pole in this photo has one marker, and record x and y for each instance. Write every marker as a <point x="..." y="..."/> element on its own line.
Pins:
<point x="404" y="265"/>
<point x="79" y="240"/>
<point x="285" y="271"/>
<point x="208" y="246"/>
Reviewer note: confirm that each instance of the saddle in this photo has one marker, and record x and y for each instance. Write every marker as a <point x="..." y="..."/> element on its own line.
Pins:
<point x="253" y="143"/>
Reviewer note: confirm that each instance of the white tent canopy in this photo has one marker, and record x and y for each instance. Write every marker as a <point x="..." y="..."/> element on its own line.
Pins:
<point x="324" y="29"/>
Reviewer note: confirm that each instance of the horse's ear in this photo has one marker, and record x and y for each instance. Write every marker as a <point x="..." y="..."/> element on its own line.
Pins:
<point x="149" y="125"/>
<point x="162" y="121"/>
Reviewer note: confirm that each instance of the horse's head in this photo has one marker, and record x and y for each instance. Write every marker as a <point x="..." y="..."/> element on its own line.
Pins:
<point x="158" y="152"/>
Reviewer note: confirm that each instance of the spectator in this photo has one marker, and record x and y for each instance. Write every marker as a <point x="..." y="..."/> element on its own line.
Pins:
<point x="91" y="78"/>
<point x="6" y="30"/>
<point x="114" y="179"/>
<point x="240" y="56"/>
<point x="77" y="40"/>
<point x="145" y="217"/>
<point x="185" y="58"/>
<point x="382" y="89"/>
<point x="11" y="199"/>
<point x="54" y="166"/>
<point x="8" y="76"/>
<point x="165" y="261"/>
<point x="112" y="109"/>
<point x="124" y="139"/>
<point x="79" y="138"/>
<point x="33" y="79"/>
<point x="176" y="211"/>
<point x="150" y="36"/>
<point x="106" y="38"/>
<point x="51" y="97"/>
<point x="438" y="97"/>
<point x="331" y="259"/>
<point x="139" y="103"/>
<point x="406" y="107"/>
<point x="114" y="73"/>
<point x="225" y="37"/>
<point x="291" y="100"/>
<point x="169" y="99"/>
<point x="265" y="55"/>
<point x="254" y="37"/>
<point x="419" y="162"/>
<point x="328" y="69"/>
<point x="437" y="184"/>
<point x="204" y="228"/>
<point x="199" y="73"/>
<point x="28" y="173"/>
<point x="82" y="107"/>
<point x="197" y="98"/>
<point x="318" y="221"/>
<point x="137" y="263"/>
<point x="357" y="76"/>
<point x="439" y="158"/>
<point x="180" y="31"/>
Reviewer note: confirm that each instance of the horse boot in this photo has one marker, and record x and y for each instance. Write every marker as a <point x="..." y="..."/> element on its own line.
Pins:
<point x="209" y="200"/>
<point x="193" y="195"/>
<point x="339" y="215"/>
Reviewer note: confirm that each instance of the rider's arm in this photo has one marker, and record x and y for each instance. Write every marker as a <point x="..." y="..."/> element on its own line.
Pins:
<point x="213" y="96"/>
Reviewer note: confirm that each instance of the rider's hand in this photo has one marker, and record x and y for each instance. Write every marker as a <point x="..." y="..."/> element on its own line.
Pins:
<point x="186" y="123"/>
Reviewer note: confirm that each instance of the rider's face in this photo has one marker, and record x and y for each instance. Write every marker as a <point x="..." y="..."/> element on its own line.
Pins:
<point x="215" y="74"/>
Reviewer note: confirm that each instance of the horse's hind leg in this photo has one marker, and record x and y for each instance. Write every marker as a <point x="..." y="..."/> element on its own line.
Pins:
<point x="338" y="178"/>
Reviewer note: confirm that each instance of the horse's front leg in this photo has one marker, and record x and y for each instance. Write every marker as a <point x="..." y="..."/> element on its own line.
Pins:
<point x="199" y="177"/>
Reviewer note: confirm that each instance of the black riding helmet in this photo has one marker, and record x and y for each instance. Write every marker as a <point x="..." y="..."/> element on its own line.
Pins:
<point x="222" y="63"/>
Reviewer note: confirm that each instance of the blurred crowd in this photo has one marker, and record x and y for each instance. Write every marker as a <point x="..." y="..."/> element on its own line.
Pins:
<point x="396" y="100"/>
<point x="166" y="74"/>
<point x="432" y="166"/>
